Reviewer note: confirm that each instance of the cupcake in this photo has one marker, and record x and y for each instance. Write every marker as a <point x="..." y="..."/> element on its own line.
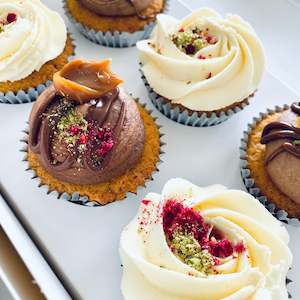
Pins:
<point x="37" y="46"/>
<point x="201" y="70"/>
<point x="204" y="243"/>
<point x="114" y="23"/>
<point x="88" y="137"/>
<point x="271" y="157"/>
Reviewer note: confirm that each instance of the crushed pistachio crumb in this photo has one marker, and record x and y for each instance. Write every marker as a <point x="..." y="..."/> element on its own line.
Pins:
<point x="71" y="118"/>
<point x="297" y="142"/>
<point x="189" y="251"/>
<point x="192" y="39"/>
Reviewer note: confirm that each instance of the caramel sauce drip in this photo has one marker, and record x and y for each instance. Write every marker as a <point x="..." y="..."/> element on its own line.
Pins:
<point x="281" y="130"/>
<point x="82" y="81"/>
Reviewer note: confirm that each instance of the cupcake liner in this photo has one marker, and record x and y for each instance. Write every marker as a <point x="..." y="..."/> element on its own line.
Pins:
<point x="24" y="96"/>
<point x="287" y="282"/>
<point x="32" y="93"/>
<point x="76" y="197"/>
<point x="114" y="39"/>
<point x="184" y="117"/>
<point x="249" y="182"/>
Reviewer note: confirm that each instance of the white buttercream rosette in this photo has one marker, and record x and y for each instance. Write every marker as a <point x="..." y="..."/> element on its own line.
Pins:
<point x="151" y="271"/>
<point x="37" y="36"/>
<point x="220" y="74"/>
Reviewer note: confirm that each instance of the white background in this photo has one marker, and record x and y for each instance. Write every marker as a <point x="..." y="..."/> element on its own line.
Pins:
<point x="277" y="22"/>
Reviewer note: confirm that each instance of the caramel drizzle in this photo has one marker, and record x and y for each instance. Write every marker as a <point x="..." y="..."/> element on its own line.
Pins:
<point x="46" y="129"/>
<point x="281" y="130"/>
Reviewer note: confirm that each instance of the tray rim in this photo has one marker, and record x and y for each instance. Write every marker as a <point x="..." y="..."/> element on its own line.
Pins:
<point x="51" y="285"/>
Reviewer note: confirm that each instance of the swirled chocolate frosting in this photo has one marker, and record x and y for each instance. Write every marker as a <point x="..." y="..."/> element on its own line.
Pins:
<point x="113" y="8"/>
<point x="282" y="157"/>
<point x="85" y="141"/>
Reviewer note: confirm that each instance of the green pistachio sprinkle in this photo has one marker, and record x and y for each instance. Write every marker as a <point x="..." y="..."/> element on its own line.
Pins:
<point x="72" y="117"/>
<point x="188" y="250"/>
<point x="297" y="142"/>
<point x="189" y="41"/>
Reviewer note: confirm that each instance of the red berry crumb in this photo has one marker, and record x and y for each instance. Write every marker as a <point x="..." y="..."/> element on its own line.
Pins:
<point x="181" y="29"/>
<point x="146" y="202"/>
<point x="11" y="17"/>
<point x="100" y="133"/>
<point x="177" y="216"/>
<point x="105" y="147"/>
<point x="201" y="56"/>
<point x="74" y="129"/>
<point x="211" y="39"/>
<point x="221" y="249"/>
<point x="83" y="139"/>
<point x="240" y="247"/>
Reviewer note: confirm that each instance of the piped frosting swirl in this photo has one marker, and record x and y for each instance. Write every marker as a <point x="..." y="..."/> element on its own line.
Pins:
<point x="86" y="137"/>
<point x="203" y="243"/>
<point x="34" y="36"/>
<point x="204" y="62"/>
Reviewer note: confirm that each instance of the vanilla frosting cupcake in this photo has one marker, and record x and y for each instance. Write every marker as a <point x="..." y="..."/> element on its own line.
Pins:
<point x="36" y="46"/>
<point x="204" y="243"/>
<point x="203" y="64"/>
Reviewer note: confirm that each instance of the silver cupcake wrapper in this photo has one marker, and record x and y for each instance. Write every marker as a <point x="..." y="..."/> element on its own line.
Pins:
<point x="183" y="117"/>
<point x="287" y="282"/>
<point x="23" y="96"/>
<point x="76" y="197"/>
<point x="114" y="39"/>
<point x="30" y="95"/>
<point x="249" y="182"/>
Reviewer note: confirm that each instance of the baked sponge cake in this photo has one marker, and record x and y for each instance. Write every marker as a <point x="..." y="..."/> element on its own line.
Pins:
<point x="273" y="158"/>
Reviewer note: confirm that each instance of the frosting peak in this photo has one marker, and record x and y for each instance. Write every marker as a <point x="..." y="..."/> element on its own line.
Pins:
<point x="203" y="62"/>
<point x="204" y="243"/>
<point x="34" y="36"/>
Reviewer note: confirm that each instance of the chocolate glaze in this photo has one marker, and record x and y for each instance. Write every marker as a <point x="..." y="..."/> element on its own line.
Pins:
<point x="116" y="110"/>
<point x="113" y="8"/>
<point x="281" y="130"/>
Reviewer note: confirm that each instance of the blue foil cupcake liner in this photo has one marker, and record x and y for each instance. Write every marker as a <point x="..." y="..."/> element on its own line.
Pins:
<point x="194" y="119"/>
<point x="24" y="96"/>
<point x="114" y="39"/>
<point x="249" y="182"/>
<point x="75" y="197"/>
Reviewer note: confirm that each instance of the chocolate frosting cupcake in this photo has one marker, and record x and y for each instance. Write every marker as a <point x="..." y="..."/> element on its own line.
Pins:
<point x="114" y="8"/>
<point x="84" y="129"/>
<point x="282" y="157"/>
